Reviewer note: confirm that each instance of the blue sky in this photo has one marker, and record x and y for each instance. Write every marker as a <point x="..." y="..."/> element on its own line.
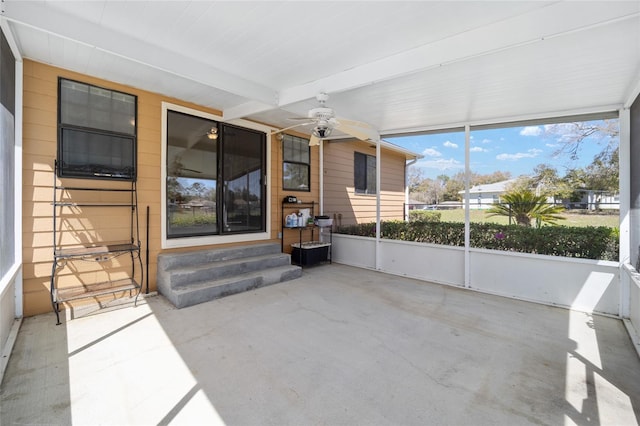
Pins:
<point x="513" y="149"/>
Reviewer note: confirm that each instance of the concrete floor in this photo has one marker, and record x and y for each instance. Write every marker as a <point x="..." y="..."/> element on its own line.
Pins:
<point x="339" y="346"/>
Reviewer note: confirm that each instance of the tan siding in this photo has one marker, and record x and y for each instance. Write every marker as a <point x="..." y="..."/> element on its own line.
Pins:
<point x="39" y="152"/>
<point x="290" y="236"/>
<point x="339" y="193"/>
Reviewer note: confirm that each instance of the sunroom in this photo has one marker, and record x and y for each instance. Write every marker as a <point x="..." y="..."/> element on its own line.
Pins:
<point x="204" y="111"/>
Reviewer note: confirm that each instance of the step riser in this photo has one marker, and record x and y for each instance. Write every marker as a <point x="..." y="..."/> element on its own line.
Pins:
<point x="180" y="260"/>
<point x="216" y="272"/>
<point x="188" y="279"/>
<point x="201" y="295"/>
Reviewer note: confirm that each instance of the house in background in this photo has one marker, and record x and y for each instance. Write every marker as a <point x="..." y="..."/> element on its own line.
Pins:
<point x="349" y="181"/>
<point x="482" y="197"/>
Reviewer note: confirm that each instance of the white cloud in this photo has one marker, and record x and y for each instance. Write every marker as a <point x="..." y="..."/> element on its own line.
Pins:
<point x="431" y="152"/>
<point x="450" y="144"/>
<point x="531" y="153"/>
<point x="441" y="164"/>
<point x="531" y="131"/>
<point x="478" y="149"/>
<point x="486" y="141"/>
<point x="552" y="145"/>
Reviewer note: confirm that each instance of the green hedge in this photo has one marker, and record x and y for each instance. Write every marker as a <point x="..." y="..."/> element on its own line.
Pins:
<point x="424" y="215"/>
<point x="589" y="242"/>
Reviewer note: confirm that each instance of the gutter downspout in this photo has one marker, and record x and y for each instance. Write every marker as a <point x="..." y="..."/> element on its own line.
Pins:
<point x="406" y="186"/>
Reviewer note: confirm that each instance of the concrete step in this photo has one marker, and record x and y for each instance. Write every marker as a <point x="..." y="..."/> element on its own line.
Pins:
<point x="193" y="277"/>
<point x="169" y="261"/>
<point x="222" y="269"/>
<point x="209" y="290"/>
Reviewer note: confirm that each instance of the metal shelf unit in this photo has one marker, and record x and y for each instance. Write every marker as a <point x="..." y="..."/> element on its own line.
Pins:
<point x="310" y="229"/>
<point x="94" y="251"/>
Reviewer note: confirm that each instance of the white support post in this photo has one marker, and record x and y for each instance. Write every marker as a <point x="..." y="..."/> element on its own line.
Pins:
<point x="378" y="204"/>
<point x="467" y="206"/>
<point x="625" y="208"/>
<point x="321" y="176"/>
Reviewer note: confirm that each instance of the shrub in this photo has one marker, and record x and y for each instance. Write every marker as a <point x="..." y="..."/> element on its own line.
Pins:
<point x="589" y="242"/>
<point x="424" y="215"/>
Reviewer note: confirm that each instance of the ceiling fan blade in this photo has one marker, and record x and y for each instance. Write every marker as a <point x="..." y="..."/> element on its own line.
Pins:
<point x="314" y="141"/>
<point x="291" y="127"/>
<point x="362" y="133"/>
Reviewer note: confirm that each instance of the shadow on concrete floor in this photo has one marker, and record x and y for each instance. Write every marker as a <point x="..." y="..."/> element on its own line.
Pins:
<point x="340" y="345"/>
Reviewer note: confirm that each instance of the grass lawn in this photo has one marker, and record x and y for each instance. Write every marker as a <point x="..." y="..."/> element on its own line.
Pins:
<point x="571" y="219"/>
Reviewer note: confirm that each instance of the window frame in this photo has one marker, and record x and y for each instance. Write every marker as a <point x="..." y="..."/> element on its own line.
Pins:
<point x="62" y="127"/>
<point x="369" y="187"/>
<point x="195" y="241"/>
<point x="296" y="163"/>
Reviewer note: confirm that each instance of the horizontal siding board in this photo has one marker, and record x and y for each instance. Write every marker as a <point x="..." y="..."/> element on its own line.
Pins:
<point x="39" y="152"/>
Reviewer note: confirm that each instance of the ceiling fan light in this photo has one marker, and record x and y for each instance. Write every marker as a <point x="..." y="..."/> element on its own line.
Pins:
<point x="212" y="133"/>
<point x="321" y="132"/>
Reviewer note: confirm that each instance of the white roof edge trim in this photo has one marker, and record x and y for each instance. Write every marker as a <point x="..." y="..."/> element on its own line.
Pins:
<point x="393" y="147"/>
<point x="383" y="144"/>
<point x="601" y="112"/>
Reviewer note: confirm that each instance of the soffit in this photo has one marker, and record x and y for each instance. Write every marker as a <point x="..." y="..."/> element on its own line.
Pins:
<point x="399" y="66"/>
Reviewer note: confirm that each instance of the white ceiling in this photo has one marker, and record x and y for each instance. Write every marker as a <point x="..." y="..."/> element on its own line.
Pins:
<point x="400" y="66"/>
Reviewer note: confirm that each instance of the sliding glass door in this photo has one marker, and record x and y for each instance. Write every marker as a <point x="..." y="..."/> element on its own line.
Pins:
<point x="215" y="177"/>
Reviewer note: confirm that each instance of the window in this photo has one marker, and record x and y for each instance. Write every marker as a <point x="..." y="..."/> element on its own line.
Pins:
<point x="295" y="163"/>
<point x="215" y="177"/>
<point x="364" y="168"/>
<point x="7" y="159"/>
<point x="96" y="132"/>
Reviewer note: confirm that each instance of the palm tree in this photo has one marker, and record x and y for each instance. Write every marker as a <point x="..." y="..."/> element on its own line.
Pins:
<point x="524" y="205"/>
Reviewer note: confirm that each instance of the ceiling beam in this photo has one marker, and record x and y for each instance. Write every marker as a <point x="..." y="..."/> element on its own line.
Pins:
<point x="246" y="109"/>
<point x="554" y="20"/>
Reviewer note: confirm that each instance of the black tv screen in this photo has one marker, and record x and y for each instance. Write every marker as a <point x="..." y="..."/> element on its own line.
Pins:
<point x="84" y="154"/>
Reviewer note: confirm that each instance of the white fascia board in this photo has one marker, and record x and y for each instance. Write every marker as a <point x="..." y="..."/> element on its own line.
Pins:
<point x="392" y="147"/>
<point x="38" y="16"/>
<point x="8" y="32"/>
<point x="633" y="93"/>
<point x="508" y="121"/>
<point x="383" y="144"/>
<point x="554" y="20"/>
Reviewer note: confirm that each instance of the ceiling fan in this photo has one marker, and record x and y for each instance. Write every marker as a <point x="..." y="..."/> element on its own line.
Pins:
<point x="324" y="120"/>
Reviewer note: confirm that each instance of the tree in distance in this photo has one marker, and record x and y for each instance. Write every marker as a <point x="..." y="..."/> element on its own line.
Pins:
<point x="525" y="206"/>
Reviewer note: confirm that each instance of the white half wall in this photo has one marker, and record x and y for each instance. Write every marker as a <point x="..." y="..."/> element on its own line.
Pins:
<point x="10" y="286"/>
<point x="631" y="278"/>
<point x="7" y="310"/>
<point x="428" y="262"/>
<point x="585" y="285"/>
<point x="354" y="251"/>
<point x="580" y="284"/>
